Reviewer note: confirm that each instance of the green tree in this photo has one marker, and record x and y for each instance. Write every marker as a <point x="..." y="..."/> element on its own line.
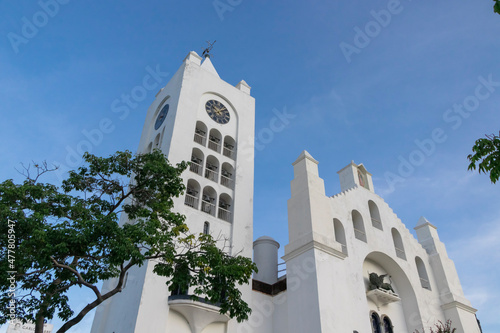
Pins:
<point x="54" y="239"/>
<point x="486" y="156"/>
<point x="496" y="6"/>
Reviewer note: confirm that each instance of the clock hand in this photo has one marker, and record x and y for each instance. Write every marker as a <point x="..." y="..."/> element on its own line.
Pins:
<point x="218" y="111"/>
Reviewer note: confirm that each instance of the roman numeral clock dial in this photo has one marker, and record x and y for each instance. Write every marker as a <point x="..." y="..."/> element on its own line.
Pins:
<point x="217" y="111"/>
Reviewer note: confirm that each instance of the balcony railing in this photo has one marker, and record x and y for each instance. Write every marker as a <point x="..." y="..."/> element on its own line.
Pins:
<point x="212" y="175"/>
<point x="360" y="234"/>
<point x="191" y="201"/>
<point x="229" y="153"/>
<point x="224" y="214"/>
<point x="196" y="168"/>
<point x="400" y="253"/>
<point x="227" y="182"/>
<point x="199" y="139"/>
<point x="377" y="224"/>
<point x="214" y="145"/>
<point x="208" y="207"/>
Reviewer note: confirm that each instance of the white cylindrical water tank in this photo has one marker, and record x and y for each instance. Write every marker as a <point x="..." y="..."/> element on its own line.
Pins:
<point x="265" y="256"/>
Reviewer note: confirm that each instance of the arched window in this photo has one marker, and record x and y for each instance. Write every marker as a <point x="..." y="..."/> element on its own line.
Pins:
<point x="200" y="133"/>
<point x="422" y="273"/>
<point x="225" y="207"/>
<point x="359" y="226"/>
<point x="398" y="244"/>
<point x="387" y="325"/>
<point x="192" y="194"/>
<point x="150" y="148"/>
<point x="208" y="200"/>
<point x="214" y="140"/>
<point x="227" y="175"/>
<point x="340" y="234"/>
<point x="206" y="228"/>
<point x="375" y="320"/>
<point x="196" y="161"/>
<point x="212" y="168"/>
<point x="375" y="215"/>
<point x="229" y="147"/>
<point x="157" y="143"/>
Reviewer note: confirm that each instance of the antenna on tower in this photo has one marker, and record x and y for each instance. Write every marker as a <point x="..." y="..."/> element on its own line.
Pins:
<point x="206" y="51"/>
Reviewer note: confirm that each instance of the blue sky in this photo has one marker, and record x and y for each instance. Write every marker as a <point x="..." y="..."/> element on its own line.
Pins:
<point x="364" y="98"/>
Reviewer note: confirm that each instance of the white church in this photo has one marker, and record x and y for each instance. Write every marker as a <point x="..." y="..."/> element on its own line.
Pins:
<point x="351" y="264"/>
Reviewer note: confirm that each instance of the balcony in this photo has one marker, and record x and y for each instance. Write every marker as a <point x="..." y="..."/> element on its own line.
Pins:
<point x="211" y="174"/>
<point x="197" y="312"/>
<point x="229" y="151"/>
<point x="227" y="182"/>
<point x="224" y="214"/>
<point x="208" y="207"/>
<point x="199" y="139"/>
<point x="382" y="297"/>
<point x="214" y="145"/>
<point x="191" y="201"/>
<point x="195" y="167"/>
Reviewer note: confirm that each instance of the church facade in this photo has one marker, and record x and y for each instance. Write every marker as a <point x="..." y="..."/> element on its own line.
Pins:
<point x="351" y="264"/>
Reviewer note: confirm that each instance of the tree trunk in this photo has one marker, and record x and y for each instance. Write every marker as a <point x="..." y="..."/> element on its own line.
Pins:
<point x="40" y="320"/>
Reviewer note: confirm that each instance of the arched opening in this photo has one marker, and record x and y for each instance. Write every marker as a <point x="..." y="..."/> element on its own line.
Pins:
<point x="206" y="228"/>
<point x="227" y="175"/>
<point x="375" y="320"/>
<point x="340" y="234"/>
<point x="212" y="168"/>
<point x="196" y="165"/>
<point x="157" y="142"/>
<point x="225" y="207"/>
<point x="359" y="226"/>
<point x="422" y="273"/>
<point x="214" y="140"/>
<point x="404" y="313"/>
<point x="192" y="194"/>
<point x="229" y="147"/>
<point x="375" y="215"/>
<point x="208" y="200"/>
<point x="398" y="244"/>
<point x="200" y="133"/>
<point x="387" y="325"/>
<point x="150" y="148"/>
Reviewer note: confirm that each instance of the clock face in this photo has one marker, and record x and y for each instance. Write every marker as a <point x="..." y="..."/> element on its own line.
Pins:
<point x="217" y="111"/>
<point x="161" y="116"/>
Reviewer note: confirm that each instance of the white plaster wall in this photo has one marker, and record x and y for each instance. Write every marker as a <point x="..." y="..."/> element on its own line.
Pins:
<point x="178" y="321"/>
<point x="302" y="294"/>
<point x="215" y="328"/>
<point x="340" y="284"/>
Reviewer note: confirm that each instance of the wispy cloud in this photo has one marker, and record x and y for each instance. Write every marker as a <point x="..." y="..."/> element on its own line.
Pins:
<point x="477" y="259"/>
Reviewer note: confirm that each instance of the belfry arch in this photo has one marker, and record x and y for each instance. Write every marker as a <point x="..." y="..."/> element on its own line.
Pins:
<point x="404" y="313"/>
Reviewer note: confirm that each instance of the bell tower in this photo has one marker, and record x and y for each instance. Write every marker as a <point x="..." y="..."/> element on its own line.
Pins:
<point x="200" y="118"/>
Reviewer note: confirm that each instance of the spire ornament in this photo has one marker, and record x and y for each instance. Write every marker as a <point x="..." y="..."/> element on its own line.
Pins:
<point x="206" y="51"/>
